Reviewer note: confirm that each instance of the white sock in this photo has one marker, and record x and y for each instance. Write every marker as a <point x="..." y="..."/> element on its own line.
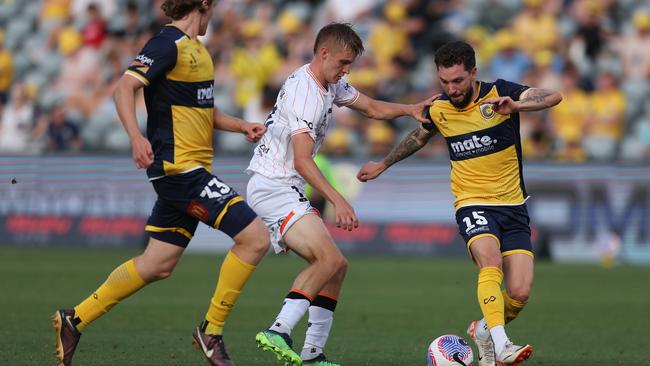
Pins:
<point x="499" y="338"/>
<point x="482" y="331"/>
<point x="318" y="330"/>
<point x="291" y="313"/>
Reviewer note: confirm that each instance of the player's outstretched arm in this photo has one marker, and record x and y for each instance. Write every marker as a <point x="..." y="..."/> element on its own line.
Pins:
<point x="533" y="99"/>
<point x="303" y="146"/>
<point x="252" y="131"/>
<point x="407" y="147"/>
<point x="377" y="109"/>
<point x="124" y="97"/>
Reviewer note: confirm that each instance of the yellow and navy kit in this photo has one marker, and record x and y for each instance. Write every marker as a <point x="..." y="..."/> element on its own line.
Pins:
<point x="484" y="147"/>
<point x="486" y="168"/>
<point x="178" y="75"/>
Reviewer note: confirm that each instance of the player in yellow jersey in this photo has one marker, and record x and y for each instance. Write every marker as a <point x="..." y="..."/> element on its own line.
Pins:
<point x="480" y="123"/>
<point x="177" y="74"/>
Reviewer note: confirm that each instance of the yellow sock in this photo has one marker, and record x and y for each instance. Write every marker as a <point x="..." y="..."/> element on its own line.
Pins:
<point x="121" y="283"/>
<point x="489" y="295"/>
<point x="233" y="276"/>
<point x="512" y="307"/>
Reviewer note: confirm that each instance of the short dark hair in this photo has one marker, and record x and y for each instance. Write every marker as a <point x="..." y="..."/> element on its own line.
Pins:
<point x="456" y="53"/>
<point x="342" y="34"/>
<point x="177" y="9"/>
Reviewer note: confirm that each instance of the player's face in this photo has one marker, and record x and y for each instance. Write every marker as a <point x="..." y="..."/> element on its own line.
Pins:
<point x="336" y="63"/>
<point x="458" y="84"/>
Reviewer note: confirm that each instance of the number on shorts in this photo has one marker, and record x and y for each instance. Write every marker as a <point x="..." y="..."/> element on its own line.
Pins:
<point x="478" y="220"/>
<point x="302" y="197"/>
<point x="221" y="189"/>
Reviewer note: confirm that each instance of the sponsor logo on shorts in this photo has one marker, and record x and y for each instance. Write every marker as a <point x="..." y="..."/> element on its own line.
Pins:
<point x="197" y="210"/>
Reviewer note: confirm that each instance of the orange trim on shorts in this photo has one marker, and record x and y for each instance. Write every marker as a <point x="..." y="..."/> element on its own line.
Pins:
<point x="518" y="251"/>
<point x="284" y="223"/>
<point x="328" y="296"/>
<point x="303" y="293"/>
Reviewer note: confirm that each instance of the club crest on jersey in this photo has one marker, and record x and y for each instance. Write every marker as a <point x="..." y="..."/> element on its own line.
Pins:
<point x="487" y="111"/>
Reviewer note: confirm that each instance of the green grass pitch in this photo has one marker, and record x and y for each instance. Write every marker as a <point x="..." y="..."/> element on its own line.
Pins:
<point x="389" y="311"/>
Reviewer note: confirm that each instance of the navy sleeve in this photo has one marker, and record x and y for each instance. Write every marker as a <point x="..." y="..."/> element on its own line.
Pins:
<point x="510" y="89"/>
<point x="426" y="113"/>
<point x="156" y="58"/>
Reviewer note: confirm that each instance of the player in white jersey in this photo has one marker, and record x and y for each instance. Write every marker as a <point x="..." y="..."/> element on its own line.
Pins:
<point x="280" y="168"/>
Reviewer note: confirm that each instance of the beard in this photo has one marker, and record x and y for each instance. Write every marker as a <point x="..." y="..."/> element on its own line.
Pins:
<point x="467" y="97"/>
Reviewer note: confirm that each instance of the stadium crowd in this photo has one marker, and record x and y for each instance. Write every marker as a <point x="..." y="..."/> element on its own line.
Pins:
<point x="60" y="60"/>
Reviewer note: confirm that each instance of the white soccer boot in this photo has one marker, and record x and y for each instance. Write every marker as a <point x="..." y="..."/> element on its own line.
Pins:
<point x="513" y="355"/>
<point x="485" y="348"/>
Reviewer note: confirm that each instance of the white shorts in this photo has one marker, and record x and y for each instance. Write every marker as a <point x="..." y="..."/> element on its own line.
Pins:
<point x="279" y="205"/>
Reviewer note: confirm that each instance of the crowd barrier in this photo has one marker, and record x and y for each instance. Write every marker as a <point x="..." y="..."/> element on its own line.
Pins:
<point x="578" y="212"/>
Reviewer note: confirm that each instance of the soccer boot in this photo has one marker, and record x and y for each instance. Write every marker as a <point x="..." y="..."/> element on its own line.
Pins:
<point x="513" y="355"/>
<point x="280" y="344"/>
<point x="486" y="356"/>
<point x="212" y="346"/>
<point x="67" y="336"/>
<point x="320" y="360"/>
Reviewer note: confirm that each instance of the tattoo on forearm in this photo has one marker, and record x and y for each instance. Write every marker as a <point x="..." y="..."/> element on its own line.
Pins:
<point x="409" y="145"/>
<point x="537" y="96"/>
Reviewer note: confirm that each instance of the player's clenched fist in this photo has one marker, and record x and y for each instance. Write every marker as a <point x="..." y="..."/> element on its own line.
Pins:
<point x="254" y="131"/>
<point x="370" y="171"/>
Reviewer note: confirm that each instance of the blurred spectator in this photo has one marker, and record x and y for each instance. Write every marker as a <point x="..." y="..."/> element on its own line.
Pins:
<point x="54" y="12"/>
<point x="569" y="118"/>
<point x="537" y="141"/>
<point x="606" y="120"/>
<point x="134" y="25"/>
<point x="388" y="38"/>
<point x="634" y="47"/>
<point x="79" y="8"/>
<point x="337" y="143"/>
<point x="74" y="50"/>
<point x="62" y="134"/>
<point x="6" y="70"/>
<point x="380" y="138"/>
<point x="17" y="123"/>
<point x="509" y="63"/>
<point x="535" y="27"/>
<point x="94" y="32"/>
<point x="254" y="64"/>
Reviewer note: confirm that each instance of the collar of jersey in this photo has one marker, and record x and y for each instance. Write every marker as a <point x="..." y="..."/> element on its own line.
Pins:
<point x="313" y="77"/>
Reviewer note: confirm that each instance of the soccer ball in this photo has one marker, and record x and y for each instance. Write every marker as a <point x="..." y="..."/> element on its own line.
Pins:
<point x="449" y="350"/>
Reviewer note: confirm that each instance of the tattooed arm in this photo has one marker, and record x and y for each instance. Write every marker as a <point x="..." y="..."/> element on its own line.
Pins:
<point x="532" y="99"/>
<point x="407" y="147"/>
<point x="535" y="99"/>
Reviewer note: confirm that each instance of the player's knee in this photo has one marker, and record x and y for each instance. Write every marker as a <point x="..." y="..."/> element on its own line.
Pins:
<point x="490" y="261"/>
<point x="337" y="265"/>
<point x="341" y="269"/>
<point x="519" y="293"/>
<point x="254" y="237"/>
<point x="160" y="272"/>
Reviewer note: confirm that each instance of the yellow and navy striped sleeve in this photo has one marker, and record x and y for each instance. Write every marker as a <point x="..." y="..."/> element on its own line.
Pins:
<point x="510" y="89"/>
<point x="154" y="61"/>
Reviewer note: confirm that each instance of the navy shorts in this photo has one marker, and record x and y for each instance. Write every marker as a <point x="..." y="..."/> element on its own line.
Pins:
<point x="509" y="225"/>
<point x="185" y="199"/>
